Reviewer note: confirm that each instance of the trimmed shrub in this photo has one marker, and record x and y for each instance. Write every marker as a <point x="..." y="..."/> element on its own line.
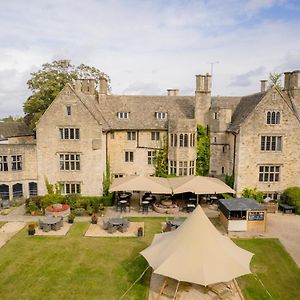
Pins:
<point x="31" y="207"/>
<point x="108" y="200"/>
<point x="51" y="199"/>
<point x="79" y="211"/>
<point x="291" y="196"/>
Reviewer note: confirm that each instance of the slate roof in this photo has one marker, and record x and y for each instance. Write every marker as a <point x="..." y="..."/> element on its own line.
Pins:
<point x="142" y="111"/>
<point x="13" y="129"/>
<point x="225" y="102"/>
<point x="240" y="204"/>
<point x="245" y="107"/>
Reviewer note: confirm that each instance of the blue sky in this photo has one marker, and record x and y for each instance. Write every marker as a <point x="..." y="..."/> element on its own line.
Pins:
<point x="147" y="47"/>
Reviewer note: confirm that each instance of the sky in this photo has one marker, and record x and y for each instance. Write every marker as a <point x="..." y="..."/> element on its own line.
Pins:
<point x="147" y="47"/>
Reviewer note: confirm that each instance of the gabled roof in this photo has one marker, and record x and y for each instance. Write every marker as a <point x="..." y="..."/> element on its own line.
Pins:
<point x="13" y="129"/>
<point x="142" y="110"/>
<point x="245" y="107"/>
<point x="225" y="102"/>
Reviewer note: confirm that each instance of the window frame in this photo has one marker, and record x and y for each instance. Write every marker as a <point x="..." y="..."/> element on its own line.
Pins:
<point x="269" y="173"/>
<point x="271" y="143"/>
<point x="155" y="135"/>
<point x="17" y="163"/>
<point x="66" y="162"/>
<point x="129" y="156"/>
<point x="131" y="135"/>
<point x="4" y="163"/>
<point x="65" y="133"/>
<point x="123" y="115"/>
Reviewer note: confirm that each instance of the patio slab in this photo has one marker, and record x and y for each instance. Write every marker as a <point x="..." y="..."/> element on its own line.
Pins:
<point x="96" y="230"/>
<point x="8" y="230"/>
<point x="61" y="232"/>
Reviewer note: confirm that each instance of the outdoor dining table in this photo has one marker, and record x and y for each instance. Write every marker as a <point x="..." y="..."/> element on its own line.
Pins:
<point x="116" y="221"/>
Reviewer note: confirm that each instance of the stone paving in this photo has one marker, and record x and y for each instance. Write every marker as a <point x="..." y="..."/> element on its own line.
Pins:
<point x="8" y="230"/>
<point x="61" y="232"/>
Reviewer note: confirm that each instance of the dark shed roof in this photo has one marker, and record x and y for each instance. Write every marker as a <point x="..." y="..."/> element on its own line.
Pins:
<point x="13" y="129"/>
<point x="240" y="204"/>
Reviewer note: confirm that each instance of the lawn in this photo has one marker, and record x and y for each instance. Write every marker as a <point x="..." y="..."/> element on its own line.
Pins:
<point x="274" y="267"/>
<point x="77" y="267"/>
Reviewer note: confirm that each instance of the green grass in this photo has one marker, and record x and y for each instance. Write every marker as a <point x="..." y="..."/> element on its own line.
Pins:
<point x="78" y="267"/>
<point x="73" y="266"/>
<point x="274" y="267"/>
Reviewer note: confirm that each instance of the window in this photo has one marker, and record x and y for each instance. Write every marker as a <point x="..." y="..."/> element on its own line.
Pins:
<point x="271" y="143"/>
<point x="215" y="139"/>
<point x="151" y="157"/>
<point x="192" y="167"/>
<point x="128" y="156"/>
<point x="175" y="140"/>
<point x="223" y="170"/>
<point x="173" y="169"/>
<point x="118" y="175"/>
<point x="16" y="164"/>
<point x="273" y="117"/>
<point x="69" y="133"/>
<point x="155" y="136"/>
<point x="216" y="116"/>
<point x="70" y="188"/>
<point x="69" y="111"/>
<point x="186" y="140"/>
<point x="3" y="163"/>
<point x="123" y="115"/>
<point x="194" y="140"/>
<point x="69" y="162"/>
<point x="160" y="115"/>
<point x="181" y="140"/>
<point x="183" y="168"/>
<point x="191" y="140"/>
<point x="172" y="140"/>
<point x="269" y="173"/>
<point x="131" y="135"/>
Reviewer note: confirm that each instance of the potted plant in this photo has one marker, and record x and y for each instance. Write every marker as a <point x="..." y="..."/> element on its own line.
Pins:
<point x="31" y="229"/>
<point x="71" y="218"/>
<point x="94" y="219"/>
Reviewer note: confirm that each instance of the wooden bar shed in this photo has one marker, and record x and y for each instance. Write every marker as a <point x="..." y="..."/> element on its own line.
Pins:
<point x="242" y="214"/>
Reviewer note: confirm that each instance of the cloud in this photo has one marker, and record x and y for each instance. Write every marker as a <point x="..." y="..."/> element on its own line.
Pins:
<point x="246" y="78"/>
<point x="148" y="46"/>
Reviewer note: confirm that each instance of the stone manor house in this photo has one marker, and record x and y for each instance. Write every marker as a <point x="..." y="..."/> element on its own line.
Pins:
<point x="255" y="138"/>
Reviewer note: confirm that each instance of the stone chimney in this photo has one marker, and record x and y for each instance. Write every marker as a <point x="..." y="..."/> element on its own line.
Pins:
<point x="86" y="86"/>
<point x="203" y="98"/>
<point x="103" y="86"/>
<point x="263" y="85"/>
<point x="287" y="79"/>
<point x="173" y="92"/>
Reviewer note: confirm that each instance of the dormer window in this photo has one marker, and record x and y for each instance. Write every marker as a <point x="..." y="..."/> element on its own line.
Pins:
<point x="160" y="115"/>
<point x="123" y="115"/>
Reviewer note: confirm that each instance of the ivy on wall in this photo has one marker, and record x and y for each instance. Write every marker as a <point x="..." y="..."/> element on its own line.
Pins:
<point x="203" y="151"/>
<point x="160" y="162"/>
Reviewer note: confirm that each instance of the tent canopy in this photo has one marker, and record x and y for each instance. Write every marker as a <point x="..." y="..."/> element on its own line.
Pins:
<point x="177" y="185"/>
<point x="196" y="252"/>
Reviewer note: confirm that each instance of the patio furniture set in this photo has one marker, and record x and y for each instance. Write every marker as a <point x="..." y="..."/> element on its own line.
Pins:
<point x="173" y="224"/>
<point x="123" y="201"/>
<point x="114" y="224"/>
<point x="51" y="223"/>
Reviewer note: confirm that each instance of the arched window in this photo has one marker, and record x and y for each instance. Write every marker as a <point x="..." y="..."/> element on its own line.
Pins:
<point x="186" y="140"/>
<point x="191" y="140"/>
<point x="273" y="118"/>
<point x="181" y="140"/>
<point x="175" y="140"/>
<point x="269" y="117"/>
<point x="278" y="117"/>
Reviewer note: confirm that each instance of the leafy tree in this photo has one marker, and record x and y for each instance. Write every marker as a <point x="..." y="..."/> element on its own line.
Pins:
<point x="161" y="161"/>
<point x="46" y="83"/>
<point x="229" y="180"/>
<point x="203" y="151"/>
<point x="291" y="196"/>
<point x="253" y="193"/>
<point x="11" y="119"/>
<point x="275" y="80"/>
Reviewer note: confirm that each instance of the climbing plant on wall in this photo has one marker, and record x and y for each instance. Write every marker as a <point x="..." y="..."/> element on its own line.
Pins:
<point x="160" y="161"/>
<point x="203" y="151"/>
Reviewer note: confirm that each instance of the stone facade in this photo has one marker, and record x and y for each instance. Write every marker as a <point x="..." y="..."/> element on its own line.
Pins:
<point x="83" y="129"/>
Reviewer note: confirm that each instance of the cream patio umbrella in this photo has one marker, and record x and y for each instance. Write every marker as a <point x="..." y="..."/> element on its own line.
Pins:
<point x="196" y="252"/>
<point x="156" y="185"/>
<point x="199" y="185"/>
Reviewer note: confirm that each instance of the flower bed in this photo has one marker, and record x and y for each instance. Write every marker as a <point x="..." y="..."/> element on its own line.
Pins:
<point x="59" y="210"/>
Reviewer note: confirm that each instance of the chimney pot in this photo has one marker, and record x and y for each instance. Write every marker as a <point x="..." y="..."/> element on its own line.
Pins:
<point x="263" y="85"/>
<point x="173" y="92"/>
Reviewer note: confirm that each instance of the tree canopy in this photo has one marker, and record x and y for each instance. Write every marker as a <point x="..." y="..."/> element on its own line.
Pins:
<point x="46" y="83"/>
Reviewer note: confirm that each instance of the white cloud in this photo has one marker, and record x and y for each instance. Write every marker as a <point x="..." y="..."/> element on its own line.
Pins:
<point x="145" y="46"/>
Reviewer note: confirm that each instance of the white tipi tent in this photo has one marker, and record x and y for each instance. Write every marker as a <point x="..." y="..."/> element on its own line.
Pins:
<point x="196" y="252"/>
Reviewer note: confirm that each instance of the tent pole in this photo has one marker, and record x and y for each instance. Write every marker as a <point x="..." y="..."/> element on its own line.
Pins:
<point x="176" y="290"/>
<point x="197" y="199"/>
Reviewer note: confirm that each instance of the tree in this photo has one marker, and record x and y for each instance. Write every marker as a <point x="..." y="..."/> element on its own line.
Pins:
<point x="160" y="161"/>
<point x="11" y="119"/>
<point x="253" y="193"/>
<point x="46" y="83"/>
<point x="203" y="151"/>
<point x="275" y="80"/>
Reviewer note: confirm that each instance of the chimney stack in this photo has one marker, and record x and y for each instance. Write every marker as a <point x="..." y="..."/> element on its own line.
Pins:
<point x="103" y="86"/>
<point x="263" y="85"/>
<point x="87" y="86"/>
<point x="203" y="83"/>
<point x="173" y="92"/>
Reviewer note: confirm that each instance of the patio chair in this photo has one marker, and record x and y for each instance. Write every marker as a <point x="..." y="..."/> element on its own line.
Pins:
<point x="46" y="227"/>
<point x="41" y="224"/>
<point x="123" y="228"/>
<point x="56" y="226"/>
<point x="112" y="229"/>
<point x="105" y="224"/>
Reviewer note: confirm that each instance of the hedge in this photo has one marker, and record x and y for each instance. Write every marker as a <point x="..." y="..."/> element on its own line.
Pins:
<point x="291" y="196"/>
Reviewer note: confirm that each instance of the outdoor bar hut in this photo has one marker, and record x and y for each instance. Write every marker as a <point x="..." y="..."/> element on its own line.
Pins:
<point x="242" y="214"/>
